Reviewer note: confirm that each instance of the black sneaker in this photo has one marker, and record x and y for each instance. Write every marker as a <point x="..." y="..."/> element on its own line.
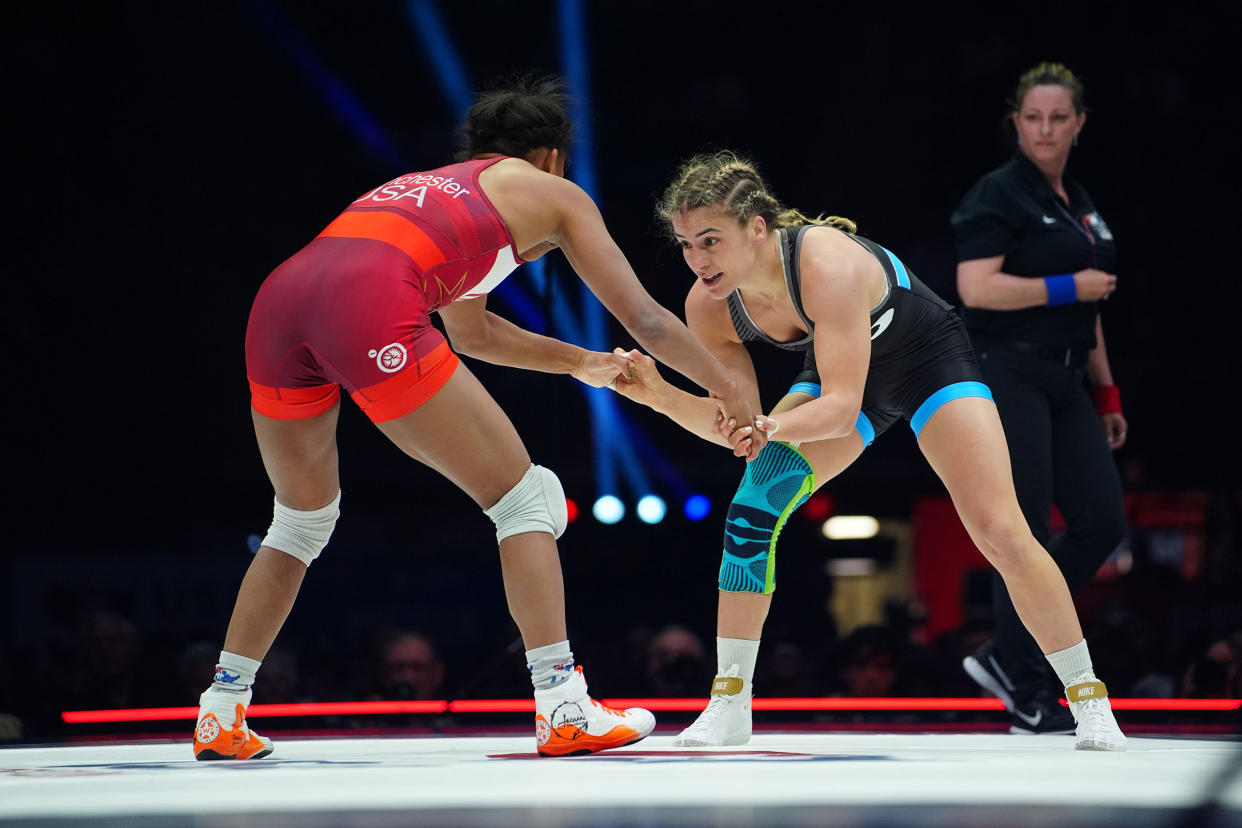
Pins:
<point x="1041" y="713"/>
<point x="988" y="674"/>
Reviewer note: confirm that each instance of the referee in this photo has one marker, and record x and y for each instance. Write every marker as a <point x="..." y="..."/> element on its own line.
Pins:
<point x="1034" y="261"/>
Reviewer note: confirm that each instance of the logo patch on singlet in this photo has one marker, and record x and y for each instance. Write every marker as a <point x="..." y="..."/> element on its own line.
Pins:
<point x="880" y="325"/>
<point x="390" y="359"/>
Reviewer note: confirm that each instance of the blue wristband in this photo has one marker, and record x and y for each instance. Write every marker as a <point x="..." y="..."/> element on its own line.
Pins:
<point x="1061" y="289"/>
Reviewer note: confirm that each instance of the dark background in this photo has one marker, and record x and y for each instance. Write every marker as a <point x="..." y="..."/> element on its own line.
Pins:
<point x="163" y="158"/>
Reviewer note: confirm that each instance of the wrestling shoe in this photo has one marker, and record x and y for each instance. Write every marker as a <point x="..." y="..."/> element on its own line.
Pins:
<point x="222" y="732"/>
<point x="1040" y="713"/>
<point x="1097" y="727"/>
<point x="1033" y="709"/>
<point x="726" y="719"/>
<point x="988" y="674"/>
<point x="569" y="722"/>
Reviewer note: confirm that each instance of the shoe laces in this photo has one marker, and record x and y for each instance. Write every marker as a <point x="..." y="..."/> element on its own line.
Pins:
<point x="717" y="704"/>
<point x="1097" y="713"/>
<point x="714" y="710"/>
<point x="606" y="708"/>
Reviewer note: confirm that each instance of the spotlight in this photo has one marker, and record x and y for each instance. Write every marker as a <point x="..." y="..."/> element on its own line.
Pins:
<point x="818" y="507"/>
<point x="651" y="509"/>
<point x="572" y="509"/>
<point x="697" y="507"/>
<point x="851" y="527"/>
<point x="608" y="509"/>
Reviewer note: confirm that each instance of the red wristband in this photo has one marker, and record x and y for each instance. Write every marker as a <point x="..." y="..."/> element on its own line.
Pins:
<point x="1107" y="399"/>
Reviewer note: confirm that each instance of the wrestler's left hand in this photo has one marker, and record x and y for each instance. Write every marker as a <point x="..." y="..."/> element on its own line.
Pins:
<point x="745" y="440"/>
<point x="642" y="383"/>
<point x="747" y="444"/>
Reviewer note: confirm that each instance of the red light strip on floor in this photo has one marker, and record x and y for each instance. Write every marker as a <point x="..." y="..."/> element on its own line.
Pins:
<point x="158" y="714"/>
<point x="1177" y="704"/>
<point x="492" y="706"/>
<point x="154" y="714"/>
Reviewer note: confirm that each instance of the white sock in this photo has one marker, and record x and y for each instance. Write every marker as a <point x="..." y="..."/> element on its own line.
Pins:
<point x="740" y="651"/>
<point x="235" y="672"/>
<point x="550" y="665"/>
<point x="1073" y="664"/>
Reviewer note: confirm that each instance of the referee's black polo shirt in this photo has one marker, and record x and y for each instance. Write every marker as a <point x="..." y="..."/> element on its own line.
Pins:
<point x="1014" y="212"/>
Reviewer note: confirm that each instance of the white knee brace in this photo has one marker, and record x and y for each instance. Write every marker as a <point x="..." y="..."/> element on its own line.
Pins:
<point x="302" y="534"/>
<point x="535" y="504"/>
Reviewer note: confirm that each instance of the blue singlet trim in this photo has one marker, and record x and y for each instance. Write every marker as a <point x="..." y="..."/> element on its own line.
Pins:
<point x="811" y="388"/>
<point x="903" y="278"/>
<point x="950" y="392"/>
<point x="866" y="429"/>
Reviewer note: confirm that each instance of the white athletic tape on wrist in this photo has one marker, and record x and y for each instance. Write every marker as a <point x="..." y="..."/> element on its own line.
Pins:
<point x="535" y="504"/>
<point x="300" y="534"/>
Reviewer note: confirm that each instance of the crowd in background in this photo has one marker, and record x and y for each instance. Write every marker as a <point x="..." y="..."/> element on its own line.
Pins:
<point x="1153" y="633"/>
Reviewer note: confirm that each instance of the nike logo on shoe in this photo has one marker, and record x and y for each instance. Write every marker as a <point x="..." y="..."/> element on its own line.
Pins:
<point x="1048" y="220"/>
<point x="1033" y="721"/>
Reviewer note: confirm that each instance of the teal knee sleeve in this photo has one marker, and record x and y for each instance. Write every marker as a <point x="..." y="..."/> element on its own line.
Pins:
<point x="776" y="483"/>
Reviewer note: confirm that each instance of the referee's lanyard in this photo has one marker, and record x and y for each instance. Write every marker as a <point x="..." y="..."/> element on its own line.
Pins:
<point x="1081" y="227"/>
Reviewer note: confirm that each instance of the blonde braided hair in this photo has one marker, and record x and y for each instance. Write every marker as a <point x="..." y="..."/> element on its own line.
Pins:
<point x="733" y="184"/>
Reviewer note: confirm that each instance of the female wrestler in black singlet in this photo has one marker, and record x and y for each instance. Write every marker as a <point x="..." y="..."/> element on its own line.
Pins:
<point x="885" y="348"/>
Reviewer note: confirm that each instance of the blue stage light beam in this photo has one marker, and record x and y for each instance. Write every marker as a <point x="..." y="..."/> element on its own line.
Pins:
<point x="347" y="106"/>
<point x="577" y="77"/>
<point x="437" y="44"/>
<point x="639" y="444"/>
<point x="604" y="413"/>
<point x="429" y="27"/>
<point x="588" y="327"/>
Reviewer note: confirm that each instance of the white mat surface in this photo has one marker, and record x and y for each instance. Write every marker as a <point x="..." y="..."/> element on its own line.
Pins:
<point x="445" y="780"/>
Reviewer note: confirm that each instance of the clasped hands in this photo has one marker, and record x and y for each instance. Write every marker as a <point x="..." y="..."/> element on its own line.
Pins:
<point x="746" y="440"/>
<point x="641" y="381"/>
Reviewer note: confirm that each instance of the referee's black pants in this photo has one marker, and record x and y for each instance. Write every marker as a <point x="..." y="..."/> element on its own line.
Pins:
<point x="1060" y="454"/>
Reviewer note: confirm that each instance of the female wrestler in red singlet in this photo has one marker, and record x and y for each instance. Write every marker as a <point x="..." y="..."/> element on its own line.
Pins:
<point x="353" y="308"/>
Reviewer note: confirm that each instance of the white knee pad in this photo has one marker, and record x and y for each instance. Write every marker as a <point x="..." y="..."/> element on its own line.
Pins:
<point x="302" y="534"/>
<point x="535" y="504"/>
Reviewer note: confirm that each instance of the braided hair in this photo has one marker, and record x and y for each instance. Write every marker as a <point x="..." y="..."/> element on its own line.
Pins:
<point x="733" y="184"/>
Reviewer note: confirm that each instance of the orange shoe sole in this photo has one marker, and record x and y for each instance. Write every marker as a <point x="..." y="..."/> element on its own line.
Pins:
<point x="583" y="743"/>
<point x="212" y="742"/>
